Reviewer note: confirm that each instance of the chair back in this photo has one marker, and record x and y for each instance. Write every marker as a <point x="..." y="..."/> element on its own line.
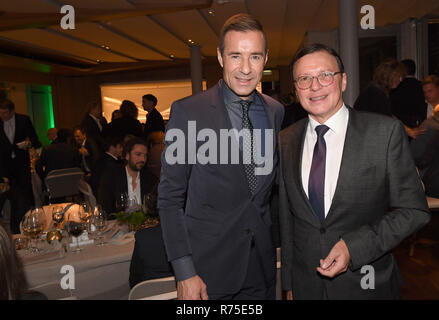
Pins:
<point x="63" y="182"/>
<point x="156" y="289"/>
<point x="85" y="189"/>
<point x="53" y="291"/>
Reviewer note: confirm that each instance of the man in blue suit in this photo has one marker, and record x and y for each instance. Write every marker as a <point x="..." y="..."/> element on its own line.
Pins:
<point x="215" y="214"/>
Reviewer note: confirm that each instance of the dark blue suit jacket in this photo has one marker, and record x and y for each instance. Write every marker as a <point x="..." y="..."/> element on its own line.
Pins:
<point x="207" y="211"/>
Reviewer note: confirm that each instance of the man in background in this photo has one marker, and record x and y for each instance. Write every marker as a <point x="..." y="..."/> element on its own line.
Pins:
<point x="154" y="120"/>
<point x="17" y="135"/>
<point x="430" y="86"/>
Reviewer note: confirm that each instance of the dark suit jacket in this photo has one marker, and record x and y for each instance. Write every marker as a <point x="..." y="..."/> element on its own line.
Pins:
<point x="123" y="126"/>
<point x="149" y="259"/>
<point x="93" y="154"/>
<point x="377" y="174"/>
<point x="92" y="130"/>
<point x="408" y="102"/>
<point x="114" y="182"/>
<point x="219" y="219"/>
<point x="373" y="99"/>
<point x="153" y="123"/>
<point x="104" y="162"/>
<point x="57" y="156"/>
<point x="23" y="129"/>
<point x="425" y="150"/>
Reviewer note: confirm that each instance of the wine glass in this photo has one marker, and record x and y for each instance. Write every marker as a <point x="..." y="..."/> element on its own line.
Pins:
<point x="87" y="211"/>
<point x="74" y="225"/>
<point x="121" y="202"/>
<point x="33" y="225"/>
<point x="98" y="221"/>
<point x="57" y="215"/>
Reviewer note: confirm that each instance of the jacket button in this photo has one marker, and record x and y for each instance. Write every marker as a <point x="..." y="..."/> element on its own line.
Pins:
<point x="322" y="230"/>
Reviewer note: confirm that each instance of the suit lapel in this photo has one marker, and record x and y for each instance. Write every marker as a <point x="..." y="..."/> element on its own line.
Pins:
<point x="349" y="161"/>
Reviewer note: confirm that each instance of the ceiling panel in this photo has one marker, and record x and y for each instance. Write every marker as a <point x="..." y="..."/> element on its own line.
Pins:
<point x="145" y="30"/>
<point x="28" y="6"/>
<point x="41" y="38"/>
<point x="98" y="35"/>
<point x="190" y="25"/>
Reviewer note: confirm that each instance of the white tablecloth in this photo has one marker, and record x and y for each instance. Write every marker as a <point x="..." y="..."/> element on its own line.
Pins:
<point x="100" y="272"/>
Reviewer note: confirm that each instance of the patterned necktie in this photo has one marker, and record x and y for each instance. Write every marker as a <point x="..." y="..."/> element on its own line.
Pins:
<point x="247" y="147"/>
<point x="316" y="185"/>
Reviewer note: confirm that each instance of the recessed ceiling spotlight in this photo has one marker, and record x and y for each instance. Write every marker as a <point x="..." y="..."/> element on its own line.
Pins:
<point x="172" y="56"/>
<point x="211" y="12"/>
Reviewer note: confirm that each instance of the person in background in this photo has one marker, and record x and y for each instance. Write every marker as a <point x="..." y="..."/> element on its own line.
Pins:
<point x="430" y="86"/>
<point x="154" y="120"/>
<point x="133" y="178"/>
<point x="127" y="124"/>
<point x="293" y="110"/>
<point x="149" y="260"/>
<point x="17" y="135"/>
<point x="425" y="151"/>
<point x="59" y="155"/>
<point x="111" y="157"/>
<point x="13" y="284"/>
<point x="155" y="143"/>
<point x="52" y="135"/>
<point x="408" y="103"/>
<point x="116" y="114"/>
<point x="375" y="98"/>
<point x="94" y="124"/>
<point x="88" y="149"/>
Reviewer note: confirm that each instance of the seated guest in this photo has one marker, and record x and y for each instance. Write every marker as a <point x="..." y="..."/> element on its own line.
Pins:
<point x="375" y="98"/>
<point x="408" y="103"/>
<point x="111" y="157"/>
<point x="154" y="120"/>
<point x="94" y="123"/>
<point x="116" y="114"/>
<point x="12" y="279"/>
<point x="88" y="149"/>
<point x="52" y="134"/>
<point x="59" y="155"/>
<point x="127" y="124"/>
<point x="149" y="260"/>
<point x="155" y="143"/>
<point x="425" y="151"/>
<point x="133" y="178"/>
<point x="430" y="86"/>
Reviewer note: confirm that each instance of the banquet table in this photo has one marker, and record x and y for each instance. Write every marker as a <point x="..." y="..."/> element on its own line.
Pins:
<point x="101" y="272"/>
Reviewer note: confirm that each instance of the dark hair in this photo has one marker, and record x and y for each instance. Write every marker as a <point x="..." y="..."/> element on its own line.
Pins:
<point x="116" y="114"/>
<point x="150" y="97"/>
<point x="241" y="22"/>
<point x="80" y="128"/>
<point x="112" y="141"/>
<point x="7" y="104"/>
<point x="433" y="79"/>
<point x="12" y="280"/>
<point x="318" y="47"/>
<point x="386" y="72"/>
<point x="410" y="66"/>
<point x="129" y="109"/>
<point x="65" y="135"/>
<point x="129" y="145"/>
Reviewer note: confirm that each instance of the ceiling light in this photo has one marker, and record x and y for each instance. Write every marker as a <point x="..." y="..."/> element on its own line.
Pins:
<point x="211" y="12"/>
<point x="172" y="56"/>
<point x="268" y="72"/>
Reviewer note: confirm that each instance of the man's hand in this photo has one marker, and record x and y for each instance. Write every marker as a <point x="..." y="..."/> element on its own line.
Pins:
<point x="290" y="295"/>
<point x="192" y="289"/>
<point x="336" y="262"/>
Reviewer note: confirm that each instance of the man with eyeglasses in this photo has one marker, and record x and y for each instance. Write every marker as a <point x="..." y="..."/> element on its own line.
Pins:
<point x="349" y="191"/>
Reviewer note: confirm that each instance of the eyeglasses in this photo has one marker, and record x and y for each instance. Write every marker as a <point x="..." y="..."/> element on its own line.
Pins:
<point x="325" y="79"/>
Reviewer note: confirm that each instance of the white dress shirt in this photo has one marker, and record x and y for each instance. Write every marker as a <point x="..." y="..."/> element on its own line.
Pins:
<point x="134" y="194"/>
<point x="334" y="138"/>
<point x="429" y="110"/>
<point x="98" y="122"/>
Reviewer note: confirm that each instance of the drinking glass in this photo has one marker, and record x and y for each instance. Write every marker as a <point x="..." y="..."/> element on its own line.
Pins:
<point x="33" y="225"/>
<point x="98" y="221"/>
<point x="57" y="216"/>
<point x="121" y="202"/>
<point x="74" y="225"/>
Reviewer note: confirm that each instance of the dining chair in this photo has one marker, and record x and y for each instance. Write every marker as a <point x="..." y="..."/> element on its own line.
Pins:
<point x="63" y="182"/>
<point x="53" y="291"/>
<point x="155" y="289"/>
<point x="86" y="190"/>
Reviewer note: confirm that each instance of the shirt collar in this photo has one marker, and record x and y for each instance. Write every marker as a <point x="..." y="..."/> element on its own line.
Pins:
<point x="129" y="176"/>
<point x="336" y="123"/>
<point x="12" y="120"/>
<point x="115" y="158"/>
<point x="231" y="98"/>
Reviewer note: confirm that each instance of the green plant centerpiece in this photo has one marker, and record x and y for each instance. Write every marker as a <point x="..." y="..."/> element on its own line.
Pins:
<point x="137" y="218"/>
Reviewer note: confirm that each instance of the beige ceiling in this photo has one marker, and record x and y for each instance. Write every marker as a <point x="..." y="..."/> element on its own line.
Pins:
<point x="110" y="32"/>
